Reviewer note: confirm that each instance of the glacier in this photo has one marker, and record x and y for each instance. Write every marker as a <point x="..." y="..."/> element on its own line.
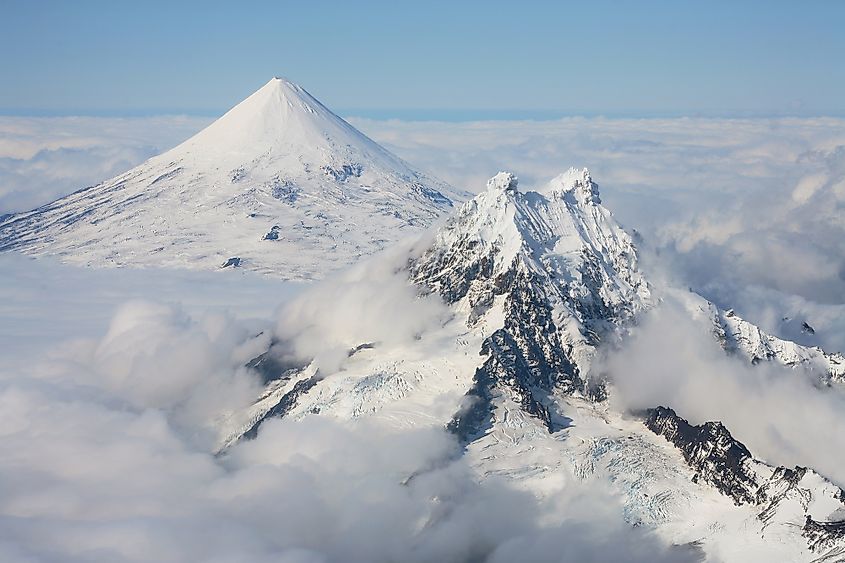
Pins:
<point x="536" y="285"/>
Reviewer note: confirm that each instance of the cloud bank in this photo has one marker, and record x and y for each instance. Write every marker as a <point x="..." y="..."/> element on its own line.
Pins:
<point x="108" y="436"/>
<point x="42" y="159"/>
<point x="108" y="442"/>
<point x="777" y="412"/>
<point x="749" y="212"/>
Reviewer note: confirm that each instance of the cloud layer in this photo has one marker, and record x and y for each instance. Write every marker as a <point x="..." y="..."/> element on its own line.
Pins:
<point x="108" y="436"/>
<point x="747" y="211"/>
<point x="777" y="412"/>
<point x="42" y="159"/>
<point x="108" y="441"/>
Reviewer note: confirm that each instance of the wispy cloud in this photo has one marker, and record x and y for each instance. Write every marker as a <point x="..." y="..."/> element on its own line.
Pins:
<point x="747" y="211"/>
<point x="108" y="456"/>
<point x="777" y="412"/>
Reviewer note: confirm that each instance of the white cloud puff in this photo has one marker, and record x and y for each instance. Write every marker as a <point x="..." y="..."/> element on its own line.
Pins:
<point x="777" y="412"/>
<point x="106" y="459"/>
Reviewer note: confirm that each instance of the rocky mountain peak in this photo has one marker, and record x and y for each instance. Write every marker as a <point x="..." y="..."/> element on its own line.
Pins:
<point x="560" y="271"/>
<point x="503" y="182"/>
<point x="578" y="183"/>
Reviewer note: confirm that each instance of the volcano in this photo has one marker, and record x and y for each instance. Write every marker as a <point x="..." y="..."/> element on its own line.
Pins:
<point x="279" y="185"/>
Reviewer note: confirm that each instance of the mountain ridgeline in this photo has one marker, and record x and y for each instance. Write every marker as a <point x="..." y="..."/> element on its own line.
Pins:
<point x="539" y="283"/>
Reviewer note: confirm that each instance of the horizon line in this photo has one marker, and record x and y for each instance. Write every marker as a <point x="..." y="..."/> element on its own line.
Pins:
<point x="448" y="115"/>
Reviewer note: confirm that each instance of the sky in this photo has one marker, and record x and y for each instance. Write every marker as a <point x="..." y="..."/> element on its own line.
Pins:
<point x="428" y="60"/>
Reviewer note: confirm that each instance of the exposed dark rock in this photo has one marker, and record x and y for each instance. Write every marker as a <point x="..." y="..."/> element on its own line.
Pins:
<point x="284" y="190"/>
<point x="476" y="415"/>
<point x="711" y="451"/>
<point x="167" y="175"/>
<point x="430" y="194"/>
<point x="273" y="234"/>
<point x="237" y="174"/>
<point x="823" y="535"/>
<point x="271" y="368"/>
<point x="232" y="262"/>
<point x="358" y="348"/>
<point x="526" y="358"/>
<point x="285" y="404"/>
<point x="723" y="462"/>
<point x="343" y="172"/>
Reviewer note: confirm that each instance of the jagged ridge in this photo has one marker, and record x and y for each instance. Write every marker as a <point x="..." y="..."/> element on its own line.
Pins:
<point x="567" y="277"/>
<point x="725" y="463"/>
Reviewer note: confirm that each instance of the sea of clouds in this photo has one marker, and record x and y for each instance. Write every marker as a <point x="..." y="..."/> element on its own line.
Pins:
<point x="109" y="435"/>
<point x="112" y="381"/>
<point x="749" y="212"/>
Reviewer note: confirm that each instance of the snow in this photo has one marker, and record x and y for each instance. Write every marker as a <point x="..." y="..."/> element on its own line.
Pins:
<point x="282" y="186"/>
<point x="742" y="337"/>
<point x="277" y="162"/>
<point x="553" y="233"/>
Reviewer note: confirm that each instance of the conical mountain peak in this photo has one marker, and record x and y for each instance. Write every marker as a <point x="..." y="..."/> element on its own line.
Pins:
<point x="281" y="116"/>
<point x="278" y="184"/>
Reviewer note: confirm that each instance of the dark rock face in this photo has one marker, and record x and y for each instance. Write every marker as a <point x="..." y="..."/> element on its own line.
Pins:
<point x="430" y="194"/>
<point x="343" y="172"/>
<point x="285" y="404"/>
<point x="823" y="535"/>
<point x="476" y="415"/>
<point x="725" y="463"/>
<point x="711" y="451"/>
<point x="273" y="234"/>
<point x="527" y="358"/>
<point x="271" y="368"/>
<point x="284" y="190"/>
<point x="232" y="262"/>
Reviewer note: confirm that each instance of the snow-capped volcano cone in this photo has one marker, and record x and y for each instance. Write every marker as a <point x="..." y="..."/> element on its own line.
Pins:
<point x="279" y="184"/>
<point x="558" y="270"/>
<point x="281" y="119"/>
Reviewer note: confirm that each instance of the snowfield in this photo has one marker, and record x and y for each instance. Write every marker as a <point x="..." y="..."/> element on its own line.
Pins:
<point x="279" y="183"/>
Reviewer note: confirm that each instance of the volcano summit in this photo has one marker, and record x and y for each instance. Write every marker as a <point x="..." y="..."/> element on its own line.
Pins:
<point x="279" y="184"/>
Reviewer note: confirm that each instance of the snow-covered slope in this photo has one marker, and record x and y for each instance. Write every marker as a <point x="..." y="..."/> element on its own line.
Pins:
<point x="536" y="282"/>
<point x="742" y="337"/>
<point x="279" y="184"/>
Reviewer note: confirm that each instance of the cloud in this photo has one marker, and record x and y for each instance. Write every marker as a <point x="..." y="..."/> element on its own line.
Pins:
<point x="749" y="212"/>
<point x="731" y="204"/>
<point x="42" y="159"/>
<point x="370" y="303"/>
<point x="777" y="412"/>
<point x="108" y="457"/>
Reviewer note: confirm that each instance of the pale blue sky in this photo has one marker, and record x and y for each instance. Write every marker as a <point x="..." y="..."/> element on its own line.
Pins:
<point x="429" y="59"/>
